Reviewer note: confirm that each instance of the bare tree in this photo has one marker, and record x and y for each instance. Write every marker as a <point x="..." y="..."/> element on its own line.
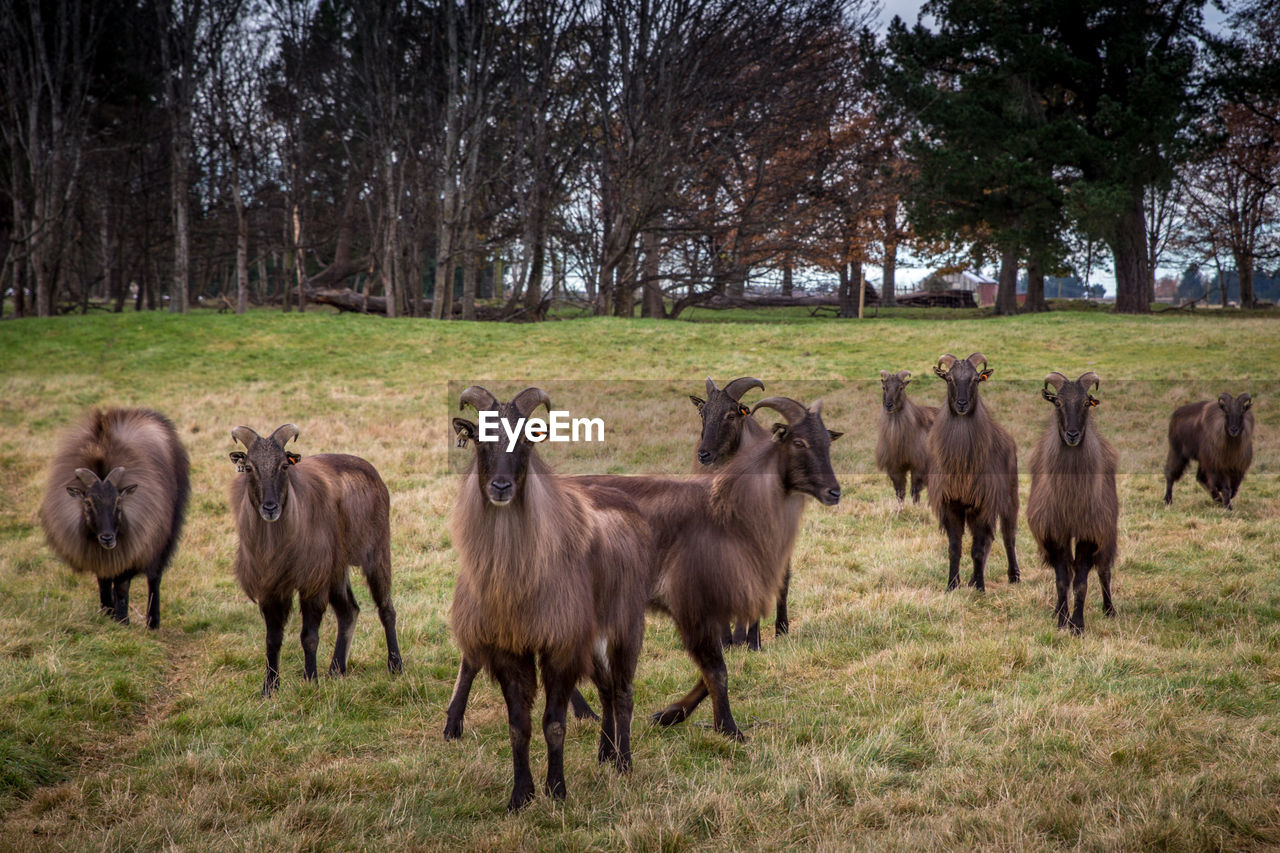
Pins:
<point x="231" y="116"/>
<point x="1230" y="194"/>
<point x="471" y="73"/>
<point x="45" y="55"/>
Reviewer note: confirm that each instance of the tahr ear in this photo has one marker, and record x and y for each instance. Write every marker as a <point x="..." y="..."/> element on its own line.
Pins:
<point x="129" y="489"/>
<point x="1093" y="401"/>
<point x="464" y="431"/>
<point x="75" y="491"/>
<point x="744" y="411"/>
<point x="239" y="457"/>
<point x="834" y="435"/>
<point x="698" y="402"/>
<point x="779" y="431"/>
<point x="292" y="457"/>
<point x="1048" y="395"/>
<point x="982" y="377"/>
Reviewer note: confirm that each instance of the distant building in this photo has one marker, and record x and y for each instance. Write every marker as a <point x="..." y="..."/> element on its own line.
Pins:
<point x="981" y="286"/>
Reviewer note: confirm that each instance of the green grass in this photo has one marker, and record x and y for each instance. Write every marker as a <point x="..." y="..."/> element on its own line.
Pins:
<point x="895" y="715"/>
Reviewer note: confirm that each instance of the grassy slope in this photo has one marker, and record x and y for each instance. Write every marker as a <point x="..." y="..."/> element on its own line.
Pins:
<point x="894" y="715"/>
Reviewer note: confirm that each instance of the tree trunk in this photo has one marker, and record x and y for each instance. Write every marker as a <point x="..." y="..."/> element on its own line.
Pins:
<point x="624" y="300"/>
<point x="1244" y="271"/>
<point x="470" y="275"/>
<point x="860" y="283"/>
<point x="242" y="242"/>
<point x="286" y="271"/>
<point x="847" y="307"/>
<point x="1007" y="289"/>
<point x="1129" y="246"/>
<point x="1035" y="286"/>
<point x="652" y="285"/>
<point x="537" y="233"/>
<point x="111" y="272"/>
<point x="888" y="285"/>
<point x="788" y="273"/>
<point x="1222" y="279"/>
<point x="604" y="290"/>
<point x="442" y="299"/>
<point x="180" y="285"/>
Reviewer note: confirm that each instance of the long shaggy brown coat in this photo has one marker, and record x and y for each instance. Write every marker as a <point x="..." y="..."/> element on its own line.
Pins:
<point x="902" y="443"/>
<point x="1073" y="493"/>
<point x="723" y="540"/>
<point x="562" y="567"/>
<point x="146" y="445"/>
<point x="1198" y="431"/>
<point x="336" y="515"/>
<point x="973" y="461"/>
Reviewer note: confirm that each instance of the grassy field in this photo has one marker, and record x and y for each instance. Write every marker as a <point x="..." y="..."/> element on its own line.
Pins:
<point x="894" y="716"/>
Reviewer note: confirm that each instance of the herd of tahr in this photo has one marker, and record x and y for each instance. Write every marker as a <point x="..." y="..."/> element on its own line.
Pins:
<point x="556" y="572"/>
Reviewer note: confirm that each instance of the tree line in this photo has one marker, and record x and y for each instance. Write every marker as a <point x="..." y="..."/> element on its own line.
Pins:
<point x="476" y="159"/>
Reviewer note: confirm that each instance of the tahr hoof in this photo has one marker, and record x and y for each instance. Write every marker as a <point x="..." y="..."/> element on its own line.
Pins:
<point x="669" y="716"/>
<point x="519" y="799"/>
<point x="452" y="729"/>
<point x="732" y="732"/>
<point x="394" y="666"/>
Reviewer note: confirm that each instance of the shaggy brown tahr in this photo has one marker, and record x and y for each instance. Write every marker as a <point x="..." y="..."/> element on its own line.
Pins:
<point x="727" y="425"/>
<point x="302" y="523"/>
<point x="1220" y="440"/>
<point x="973" y="474"/>
<point x="1073" y="496"/>
<point x="114" y="508"/>
<point x="902" y="446"/>
<point x="554" y="575"/>
<point x="724" y="541"/>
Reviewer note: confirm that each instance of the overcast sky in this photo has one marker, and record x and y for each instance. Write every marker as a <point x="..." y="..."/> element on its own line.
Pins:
<point x="904" y="9"/>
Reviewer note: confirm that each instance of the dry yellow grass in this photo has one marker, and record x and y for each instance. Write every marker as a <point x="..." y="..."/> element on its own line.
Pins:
<point x="895" y="716"/>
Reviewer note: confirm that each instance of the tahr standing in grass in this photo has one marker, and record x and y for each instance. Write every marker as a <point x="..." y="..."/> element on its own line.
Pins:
<point x="1220" y="440"/>
<point x="1073" y="496"/>
<point x="302" y="523"/>
<point x="973" y="475"/>
<point x="114" y="508"/>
